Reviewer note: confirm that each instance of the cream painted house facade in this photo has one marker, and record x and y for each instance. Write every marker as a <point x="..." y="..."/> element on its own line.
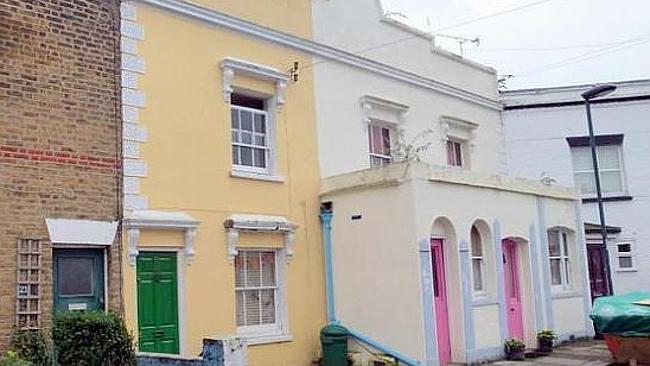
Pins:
<point x="438" y="260"/>
<point x="222" y="237"/>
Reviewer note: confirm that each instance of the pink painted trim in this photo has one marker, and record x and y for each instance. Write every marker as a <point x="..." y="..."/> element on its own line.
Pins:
<point x="440" y="301"/>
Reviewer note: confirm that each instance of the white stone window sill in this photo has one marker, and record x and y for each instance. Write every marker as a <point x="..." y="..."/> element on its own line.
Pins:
<point x="253" y="339"/>
<point x="627" y="270"/>
<point x="246" y="174"/>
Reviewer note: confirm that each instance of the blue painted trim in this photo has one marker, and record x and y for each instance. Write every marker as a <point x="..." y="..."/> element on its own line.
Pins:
<point x="383" y="348"/>
<point x="426" y="274"/>
<point x="537" y="286"/>
<point x="501" y="291"/>
<point x="326" y="222"/>
<point x="466" y="272"/>
<point x="546" y="268"/>
<point x="581" y="246"/>
<point x="483" y="355"/>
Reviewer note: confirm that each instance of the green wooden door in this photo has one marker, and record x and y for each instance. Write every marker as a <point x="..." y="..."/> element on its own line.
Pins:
<point x="78" y="276"/>
<point x="157" y="302"/>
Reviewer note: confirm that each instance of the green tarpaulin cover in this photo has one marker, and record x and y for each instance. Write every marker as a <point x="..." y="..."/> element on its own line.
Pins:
<point x="619" y="315"/>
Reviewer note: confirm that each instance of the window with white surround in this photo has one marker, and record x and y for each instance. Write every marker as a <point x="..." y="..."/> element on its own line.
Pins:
<point x="250" y="133"/>
<point x="625" y="256"/>
<point x="258" y="295"/>
<point x="379" y="142"/>
<point x="478" y="263"/>
<point x="455" y="153"/>
<point x="610" y="166"/>
<point x="559" y="259"/>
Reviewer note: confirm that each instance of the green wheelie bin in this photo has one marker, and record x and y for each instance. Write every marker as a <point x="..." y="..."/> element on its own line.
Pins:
<point x="334" y="340"/>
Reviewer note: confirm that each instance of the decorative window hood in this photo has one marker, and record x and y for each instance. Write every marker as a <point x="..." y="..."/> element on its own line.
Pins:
<point x="164" y="220"/>
<point x="375" y="108"/>
<point x="259" y="223"/>
<point x="232" y="66"/>
<point x="81" y="232"/>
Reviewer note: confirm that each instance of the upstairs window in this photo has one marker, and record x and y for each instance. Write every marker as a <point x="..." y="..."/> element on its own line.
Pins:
<point x="610" y="164"/>
<point x="379" y="141"/>
<point x="454" y="153"/>
<point x="250" y="133"/>
<point x="559" y="259"/>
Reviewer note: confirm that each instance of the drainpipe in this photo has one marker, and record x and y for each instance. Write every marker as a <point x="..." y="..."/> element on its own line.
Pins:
<point x="326" y="215"/>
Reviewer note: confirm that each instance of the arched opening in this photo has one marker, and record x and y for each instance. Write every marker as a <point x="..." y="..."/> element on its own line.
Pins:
<point x="447" y="291"/>
<point x="482" y="254"/>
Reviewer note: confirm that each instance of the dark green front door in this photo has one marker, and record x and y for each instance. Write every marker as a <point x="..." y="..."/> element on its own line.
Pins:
<point x="157" y="302"/>
<point x="78" y="279"/>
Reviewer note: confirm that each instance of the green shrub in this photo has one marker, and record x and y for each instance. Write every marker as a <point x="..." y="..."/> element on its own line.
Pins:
<point x="92" y="338"/>
<point x="32" y="345"/>
<point x="12" y="359"/>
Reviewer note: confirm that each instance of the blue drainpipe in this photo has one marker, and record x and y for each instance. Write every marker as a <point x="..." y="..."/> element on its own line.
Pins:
<point x="326" y="215"/>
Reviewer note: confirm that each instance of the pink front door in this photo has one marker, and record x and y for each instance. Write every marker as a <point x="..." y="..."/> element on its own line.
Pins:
<point x="440" y="301"/>
<point x="513" y="289"/>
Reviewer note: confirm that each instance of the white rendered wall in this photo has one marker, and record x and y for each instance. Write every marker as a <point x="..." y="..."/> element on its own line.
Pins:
<point x="536" y="142"/>
<point x="342" y="131"/>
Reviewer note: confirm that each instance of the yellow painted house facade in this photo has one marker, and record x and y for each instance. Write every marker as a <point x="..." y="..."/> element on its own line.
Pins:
<point x="221" y="182"/>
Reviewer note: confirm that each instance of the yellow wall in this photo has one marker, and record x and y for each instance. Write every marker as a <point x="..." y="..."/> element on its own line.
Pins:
<point x="188" y="153"/>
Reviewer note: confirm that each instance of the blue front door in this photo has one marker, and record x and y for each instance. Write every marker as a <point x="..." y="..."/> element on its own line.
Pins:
<point x="78" y="279"/>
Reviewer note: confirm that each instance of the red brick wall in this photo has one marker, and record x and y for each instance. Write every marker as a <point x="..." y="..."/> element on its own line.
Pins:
<point x="59" y="130"/>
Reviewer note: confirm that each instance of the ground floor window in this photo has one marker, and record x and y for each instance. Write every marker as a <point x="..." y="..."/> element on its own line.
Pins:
<point x="559" y="259"/>
<point x="256" y="290"/>
<point x="625" y="256"/>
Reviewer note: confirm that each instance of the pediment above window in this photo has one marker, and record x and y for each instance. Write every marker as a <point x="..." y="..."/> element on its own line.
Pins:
<point x="233" y="66"/>
<point x="456" y="128"/>
<point x="379" y="109"/>
<point x="259" y="223"/>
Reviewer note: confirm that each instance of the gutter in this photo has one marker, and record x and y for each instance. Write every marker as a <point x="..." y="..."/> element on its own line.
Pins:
<point x="326" y="216"/>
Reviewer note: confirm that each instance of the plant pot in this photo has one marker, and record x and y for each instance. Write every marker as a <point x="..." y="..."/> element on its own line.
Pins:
<point x="545" y="345"/>
<point x="516" y="354"/>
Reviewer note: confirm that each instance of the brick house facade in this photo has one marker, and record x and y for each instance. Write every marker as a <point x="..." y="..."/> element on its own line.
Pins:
<point x="60" y="151"/>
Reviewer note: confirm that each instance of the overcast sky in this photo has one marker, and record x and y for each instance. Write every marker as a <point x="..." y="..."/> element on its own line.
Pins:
<point x="557" y="42"/>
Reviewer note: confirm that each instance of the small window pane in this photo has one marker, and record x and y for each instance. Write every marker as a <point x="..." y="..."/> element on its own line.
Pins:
<point x="260" y="140"/>
<point x="608" y="157"/>
<point x="235" y="155"/>
<point x="556" y="272"/>
<point x="553" y="243"/>
<point x="246" y="156"/>
<point x="477" y="270"/>
<point x="376" y="141"/>
<point x="75" y="276"/>
<point x="565" y="244"/>
<point x="581" y="157"/>
<point x="240" y="277"/>
<point x="477" y="247"/>
<point x="246" y="138"/>
<point x="240" y="308"/>
<point x="253" y="270"/>
<point x="260" y="123"/>
<point x="624" y="248"/>
<point x="234" y="118"/>
<point x="260" y="158"/>
<point x="252" y="307"/>
<point x="585" y="182"/>
<point x="235" y="136"/>
<point x="611" y="181"/>
<point x="268" y="269"/>
<point x="268" y="306"/>
<point x="459" y="154"/>
<point x="385" y="137"/>
<point x="246" y="120"/>
<point x="625" y="262"/>
<point x="567" y="271"/>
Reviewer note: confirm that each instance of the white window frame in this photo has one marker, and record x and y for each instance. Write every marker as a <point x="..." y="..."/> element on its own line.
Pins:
<point x="629" y="254"/>
<point x="482" y="292"/>
<point x="386" y="159"/>
<point x="462" y="144"/>
<point x="279" y="331"/>
<point x="566" y="270"/>
<point x="621" y="170"/>
<point x="267" y="137"/>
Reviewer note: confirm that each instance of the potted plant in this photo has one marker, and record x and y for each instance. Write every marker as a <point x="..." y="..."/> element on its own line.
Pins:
<point x="514" y="349"/>
<point x="545" y="340"/>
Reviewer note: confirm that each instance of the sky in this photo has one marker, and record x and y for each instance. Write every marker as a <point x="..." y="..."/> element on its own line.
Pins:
<point x="551" y="43"/>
